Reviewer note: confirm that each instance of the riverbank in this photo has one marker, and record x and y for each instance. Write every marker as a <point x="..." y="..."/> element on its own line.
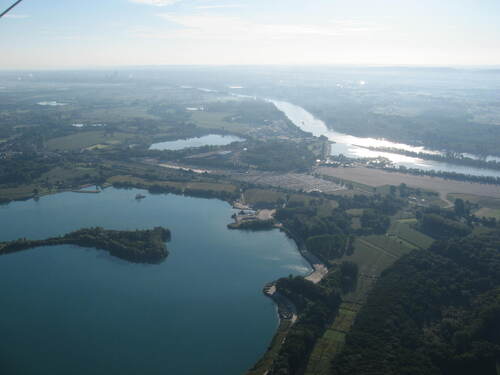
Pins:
<point x="363" y="147"/>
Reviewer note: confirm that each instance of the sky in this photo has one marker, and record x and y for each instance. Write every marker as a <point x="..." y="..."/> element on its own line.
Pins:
<point x="55" y="34"/>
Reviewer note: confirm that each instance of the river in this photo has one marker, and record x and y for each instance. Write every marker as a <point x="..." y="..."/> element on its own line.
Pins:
<point x="69" y="310"/>
<point x="348" y="145"/>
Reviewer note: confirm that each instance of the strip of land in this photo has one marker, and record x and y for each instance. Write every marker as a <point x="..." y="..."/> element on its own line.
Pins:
<point x="377" y="177"/>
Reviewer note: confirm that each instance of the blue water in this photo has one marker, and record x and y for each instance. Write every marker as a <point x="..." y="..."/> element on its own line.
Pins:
<point x="68" y="310"/>
<point x="207" y="140"/>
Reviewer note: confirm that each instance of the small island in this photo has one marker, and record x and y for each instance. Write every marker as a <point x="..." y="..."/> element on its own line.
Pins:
<point x="138" y="246"/>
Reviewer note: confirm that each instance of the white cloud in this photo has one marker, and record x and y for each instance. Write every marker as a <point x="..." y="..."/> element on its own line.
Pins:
<point x="17" y="16"/>
<point x="158" y="3"/>
<point x="220" y="27"/>
<point x="220" y="6"/>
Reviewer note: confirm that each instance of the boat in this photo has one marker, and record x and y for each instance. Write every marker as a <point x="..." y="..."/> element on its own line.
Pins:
<point x="140" y="196"/>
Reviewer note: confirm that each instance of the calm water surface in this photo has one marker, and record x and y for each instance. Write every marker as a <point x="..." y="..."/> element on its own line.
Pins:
<point x="68" y="310"/>
<point x="207" y="140"/>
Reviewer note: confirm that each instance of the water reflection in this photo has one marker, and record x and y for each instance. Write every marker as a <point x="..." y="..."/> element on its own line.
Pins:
<point x="355" y="147"/>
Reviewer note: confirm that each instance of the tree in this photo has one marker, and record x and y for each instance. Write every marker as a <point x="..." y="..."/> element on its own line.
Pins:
<point x="460" y="207"/>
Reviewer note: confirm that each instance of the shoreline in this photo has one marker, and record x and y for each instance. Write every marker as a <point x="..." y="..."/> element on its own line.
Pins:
<point x="286" y="310"/>
<point x="77" y="190"/>
<point x="314" y="262"/>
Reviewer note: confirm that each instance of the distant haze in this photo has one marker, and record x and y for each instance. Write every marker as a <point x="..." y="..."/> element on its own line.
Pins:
<point x="54" y="34"/>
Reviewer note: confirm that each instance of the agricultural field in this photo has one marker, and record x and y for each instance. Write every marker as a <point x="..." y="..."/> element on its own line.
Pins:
<point x="332" y="341"/>
<point x="292" y="181"/>
<point x="403" y="230"/>
<point x="483" y="201"/>
<point x="69" y="172"/>
<point x="88" y="139"/>
<point x="193" y="186"/>
<point x="373" y="254"/>
<point x="218" y="121"/>
<point x="488" y="212"/>
<point x="325" y="206"/>
<point x="65" y="176"/>
<point x="211" y="186"/>
<point x="377" y="178"/>
<point x="393" y="246"/>
<point x="355" y="214"/>
<point x="370" y="259"/>
<point x="488" y="207"/>
<point x="21" y="192"/>
<point x="117" y="114"/>
<point x="264" y="198"/>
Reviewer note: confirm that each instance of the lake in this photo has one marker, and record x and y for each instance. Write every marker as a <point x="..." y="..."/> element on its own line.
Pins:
<point x="69" y="310"/>
<point x="348" y="145"/>
<point x="207" y="140"/>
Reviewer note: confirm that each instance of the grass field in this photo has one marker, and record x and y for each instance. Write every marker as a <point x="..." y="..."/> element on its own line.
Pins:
<point x="392" y="245"/>
<point x="488" y="212"/>
<point x="51" y="181"/>
<point x="355" y="212"/>
<point x="211" y="186"/>
<point x="201" y="186"/>
<point x="117" y="114"/>
<point x="370" y="259"/>
<point x="324" y="206"/>
<point x="373" y="254"/>
<point x="217" y="120"/>
<point x="69" y="172"/>
<point x="477" y="199"/>
<point x="404" y="231"/>
<point x="97" y="147"/>
<point x="332" y="341"/>
<point x="488" y="207"/>
<point x="482" y="201"/>
<point x="21" y="192"/>
<point x="262" y="196"/>
<point x="88" y="139"/>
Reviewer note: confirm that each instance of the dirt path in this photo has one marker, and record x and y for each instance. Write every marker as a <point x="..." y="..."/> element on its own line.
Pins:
<point x="377" y="248"/>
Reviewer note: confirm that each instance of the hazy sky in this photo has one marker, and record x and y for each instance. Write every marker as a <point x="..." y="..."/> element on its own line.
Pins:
<point x="92" y="33"/>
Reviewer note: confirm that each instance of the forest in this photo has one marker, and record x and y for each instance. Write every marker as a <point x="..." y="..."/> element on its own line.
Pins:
<point x="328" y="234"/>
<point x="279" y="155"/>
<point x="138" y="246"/>
<point x="317" y="305"/>
<point x="435" y="312"/>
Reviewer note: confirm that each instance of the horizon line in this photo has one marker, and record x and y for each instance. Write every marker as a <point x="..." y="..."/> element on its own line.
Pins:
<point x="272" y="65"/>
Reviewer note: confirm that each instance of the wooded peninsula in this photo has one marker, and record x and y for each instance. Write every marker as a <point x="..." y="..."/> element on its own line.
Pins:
<point x="138" y="246"/>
